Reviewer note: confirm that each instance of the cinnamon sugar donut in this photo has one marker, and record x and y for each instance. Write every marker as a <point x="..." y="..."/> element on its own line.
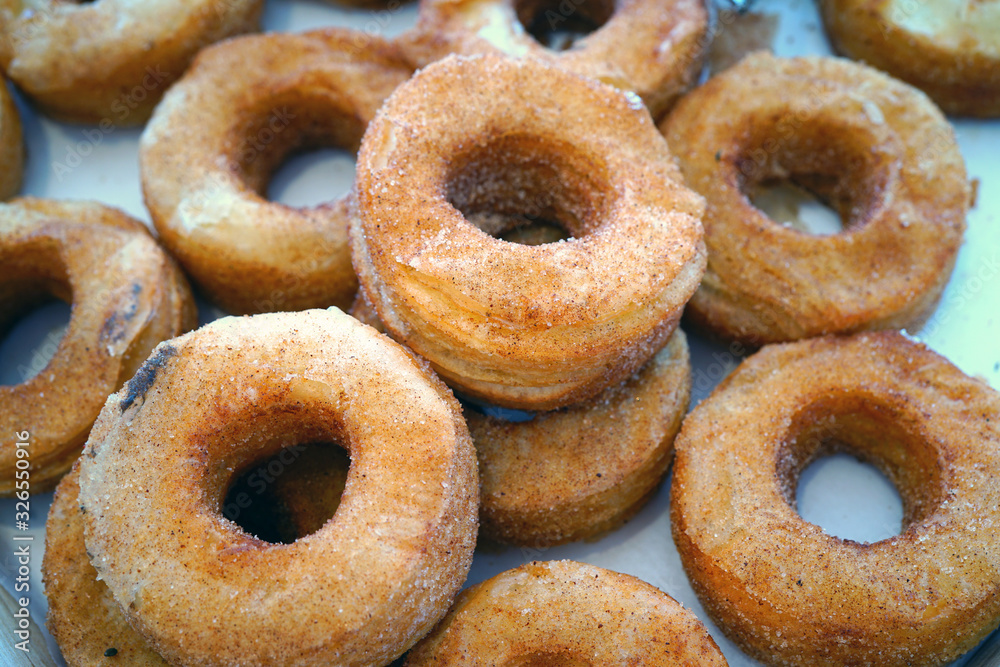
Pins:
<point x="575" y="473"/>
<point x="531" y="327"/>
<point x="110" y="61"/>
<point x="878" y="151"/>
<point x="654" y="48"/>
<point x="781" y="588"/>
<point x="948" y="49"/>
<point x="204" y="406"/>
<point x="83" y="616"/>
<point x="566" y="613"/>
<point x="256" y="99"/>
<point x="11" y="145"/>
<point x="127" y="296"/>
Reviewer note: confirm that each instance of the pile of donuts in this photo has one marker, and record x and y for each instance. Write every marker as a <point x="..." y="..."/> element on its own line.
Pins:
<point x="526" y="229"/>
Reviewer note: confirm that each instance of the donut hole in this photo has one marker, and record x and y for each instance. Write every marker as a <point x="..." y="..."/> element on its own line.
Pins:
<point x="527" y="190"/>
<point x="861" y="427"/>
<point x="289" y="494"/>
<point x="850" y="499"/>
<point x="311" y="177"/>
<point x="815" y="177"/>
<point x="293" y="138"/>
<point x="35" y="311"/>
<point x="560" y="24"/>
<point x="791" y="205"/>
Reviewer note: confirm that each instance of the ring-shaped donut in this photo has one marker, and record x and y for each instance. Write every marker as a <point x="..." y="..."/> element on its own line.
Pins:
<point x="949" y="50"/>
<point x="781" y="588"/>
<point x="578" y="472"/>
<point x="654" y="48"/>
<point x="108" y="62"/>
<point x="359" y="591"/>
<point x="566" y="613"/>
<point x="877" y="150"/>
<point x="127" y="296"/>
<point x="256" y="98"/>
<point x="11" y="144"/>
<point x="532" y="327"/>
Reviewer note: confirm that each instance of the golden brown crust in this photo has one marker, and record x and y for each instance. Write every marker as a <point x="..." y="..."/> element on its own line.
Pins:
<point x="950" y="50"/>
<point x="109" y="62"/>
<point x="127" y="296"/>
<point x="83" y="616"/>
<point x="785" y="591"/>
<point x="654" y="48"/>
<point x="879" y="152"/>
<point x="566" y="613"/>
<point x="360" y="590"/>
<point x="580" y="471"/>
<point x="533" y="327"/>
<point x="256" y="98"/>
<point x="11" y="144"/>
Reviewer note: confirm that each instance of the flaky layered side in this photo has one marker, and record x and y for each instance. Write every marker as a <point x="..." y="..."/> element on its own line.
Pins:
<point x="534" y="327"/>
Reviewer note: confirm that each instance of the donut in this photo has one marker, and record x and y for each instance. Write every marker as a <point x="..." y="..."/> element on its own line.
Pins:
<point x="654" y="48"/>
<point x="11" y="145"/>
<point x="203" y="407"/>
<point x="127" y="295"/>
<point x="529" y="327"/>
<point x="949" y="50"/>
<point x="109" y="62"/>
<point x="83" y="616"/>
<point x="256" y="99"/>
<point x="875" y="149"/>
<point x="781" y="588"/>
<point x="575" y="473"/>
<point x="566" y="613"/>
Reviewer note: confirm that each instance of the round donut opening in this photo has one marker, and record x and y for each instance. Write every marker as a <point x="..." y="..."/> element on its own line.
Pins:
<point x="524" y="190"/>
<point x="815" y="177"/>
<point x="309" y="178"/>
<point x="35" y="311"/>
<point x="560" y="24"/>
<point x="850" y="499"/>
<point x="289" y="494"/>
<point x="296" y="145"/>
<point x="859" y="426"/>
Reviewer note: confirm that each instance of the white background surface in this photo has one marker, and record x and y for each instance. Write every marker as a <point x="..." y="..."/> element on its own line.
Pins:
<point x="846" y="498"/>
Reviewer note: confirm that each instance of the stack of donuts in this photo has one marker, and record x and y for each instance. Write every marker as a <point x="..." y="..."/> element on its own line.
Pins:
<point x="527" y="227"/>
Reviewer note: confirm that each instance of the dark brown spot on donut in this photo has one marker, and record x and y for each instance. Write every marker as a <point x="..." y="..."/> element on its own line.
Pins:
<point x="113" y="329"/>
<point x="146" y="375"/>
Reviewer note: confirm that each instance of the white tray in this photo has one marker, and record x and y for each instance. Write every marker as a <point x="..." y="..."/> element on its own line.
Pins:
<point x="76" y="162"/>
